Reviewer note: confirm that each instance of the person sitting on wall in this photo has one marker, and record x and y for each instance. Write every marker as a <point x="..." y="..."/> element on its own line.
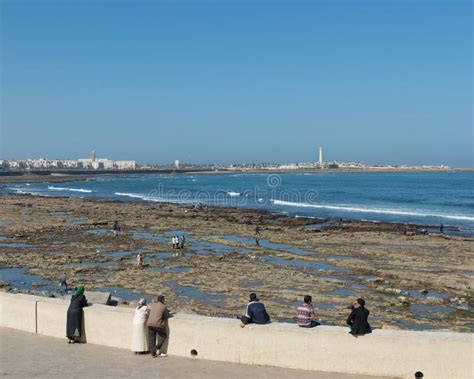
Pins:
<point x="357" y="320"/>
<point x="305" y="313"/>
<point x="256" y="313"/>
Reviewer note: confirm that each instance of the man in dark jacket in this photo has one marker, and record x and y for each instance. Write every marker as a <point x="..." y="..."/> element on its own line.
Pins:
<point x="357" y="320"/>
<point x="256" y="312"/>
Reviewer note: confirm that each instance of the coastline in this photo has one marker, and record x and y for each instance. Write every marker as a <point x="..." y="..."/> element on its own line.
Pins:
<point x="63" y="176"/>
<point x="222" y="263"/>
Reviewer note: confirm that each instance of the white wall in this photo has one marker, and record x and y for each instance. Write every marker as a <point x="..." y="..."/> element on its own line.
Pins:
<point x="18" y="311"/>
<point x="383" y="353"/>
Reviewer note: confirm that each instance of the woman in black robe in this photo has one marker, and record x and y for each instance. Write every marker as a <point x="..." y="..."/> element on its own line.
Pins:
<point x="74" y="315"/>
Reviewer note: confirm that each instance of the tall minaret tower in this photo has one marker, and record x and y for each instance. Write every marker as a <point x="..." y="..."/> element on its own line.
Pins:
<point x="320" y="155"/>
<point x="93" y="155"/>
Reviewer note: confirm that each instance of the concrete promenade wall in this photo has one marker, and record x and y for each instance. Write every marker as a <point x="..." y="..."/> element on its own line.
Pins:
<point x="392" y="353"/>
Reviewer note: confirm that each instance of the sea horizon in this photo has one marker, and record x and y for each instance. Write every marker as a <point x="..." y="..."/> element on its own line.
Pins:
<point x="422" y="198"/>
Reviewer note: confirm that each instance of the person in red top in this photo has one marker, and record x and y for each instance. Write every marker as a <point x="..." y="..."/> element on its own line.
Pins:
<point x="305" y="313"/>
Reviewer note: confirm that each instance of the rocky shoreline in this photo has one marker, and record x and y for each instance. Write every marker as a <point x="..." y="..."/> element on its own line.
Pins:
<point x="421" y="282"/>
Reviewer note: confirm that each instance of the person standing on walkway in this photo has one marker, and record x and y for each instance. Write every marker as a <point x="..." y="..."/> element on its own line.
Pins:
<point x="157" y="325"/>
<point x="75" y="315"/>
<point x="139" y="331"/>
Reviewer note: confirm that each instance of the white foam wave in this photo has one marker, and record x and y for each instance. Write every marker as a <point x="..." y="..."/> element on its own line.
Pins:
<point x="373" y="210"/>
<point x="143" y="197"/>
<point x="152" y="198"/>
<point x="231" y="193"/>
<point x="21" y="192"/>
<point x="69" y="189"/>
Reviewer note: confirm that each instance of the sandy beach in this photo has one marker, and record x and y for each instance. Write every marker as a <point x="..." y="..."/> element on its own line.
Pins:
<point x="409" y="282"/>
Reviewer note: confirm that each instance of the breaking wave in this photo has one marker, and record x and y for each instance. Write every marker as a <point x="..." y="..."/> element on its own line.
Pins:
<point x="373" y="210"/>
<point x="230" y="193"/>
<point x="69" y="189"/>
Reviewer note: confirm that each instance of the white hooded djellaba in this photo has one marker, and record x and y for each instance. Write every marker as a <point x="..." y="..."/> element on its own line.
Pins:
<point x="139" y="332"/>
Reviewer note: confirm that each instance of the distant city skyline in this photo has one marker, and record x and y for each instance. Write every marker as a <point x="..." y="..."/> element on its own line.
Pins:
<point x="96" y="162"/>
<point x="238" y="82"/>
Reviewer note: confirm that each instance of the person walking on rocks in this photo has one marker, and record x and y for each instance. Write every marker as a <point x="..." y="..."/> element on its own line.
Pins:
<point x="357" y="320"/>
<point x="139" y="331"/>
<point x="181" y="241"/>
<point x="63" y="283"/>
<point x="157" y="326"/>
<point x="116" y="229"/>
<point x="75" y="315"/>
<point x="139" y="260"/>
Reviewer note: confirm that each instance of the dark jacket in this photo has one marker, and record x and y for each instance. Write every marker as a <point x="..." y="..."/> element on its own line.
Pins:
<point x="257" y="313"/>
<point x="357" y="320"/>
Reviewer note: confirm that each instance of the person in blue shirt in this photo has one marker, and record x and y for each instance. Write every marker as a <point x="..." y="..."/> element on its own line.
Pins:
<point x="256" y="313"/>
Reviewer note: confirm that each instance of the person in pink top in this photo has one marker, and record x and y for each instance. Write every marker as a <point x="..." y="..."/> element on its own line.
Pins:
<point x="305" y="313"/>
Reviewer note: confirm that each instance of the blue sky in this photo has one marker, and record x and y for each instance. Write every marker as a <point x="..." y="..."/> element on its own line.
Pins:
<point x="238" y="81"/>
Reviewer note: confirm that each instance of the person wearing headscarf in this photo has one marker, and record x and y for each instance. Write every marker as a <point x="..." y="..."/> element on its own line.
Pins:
<point x="139" y="331"/>
<point x="75" y="314"/>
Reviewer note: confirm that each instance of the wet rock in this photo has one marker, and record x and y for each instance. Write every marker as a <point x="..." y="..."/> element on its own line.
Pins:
<point x="403" y="300"/>
<point x="98" y="297"/>
<point x="424" y="291"/>
<point x="435" y="300"/>
<point x="4" y="284"/>
<point x="374" y="280"/>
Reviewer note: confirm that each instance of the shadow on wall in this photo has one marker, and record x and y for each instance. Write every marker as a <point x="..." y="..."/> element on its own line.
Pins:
<point x="83" y="338"/>
<point x="164" y="348"/>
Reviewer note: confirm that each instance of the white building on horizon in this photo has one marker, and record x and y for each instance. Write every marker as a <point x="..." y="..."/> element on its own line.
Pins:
<point x="321" y="160"/>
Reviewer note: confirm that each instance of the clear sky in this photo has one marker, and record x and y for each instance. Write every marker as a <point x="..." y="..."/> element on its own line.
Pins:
<point x="238" y="81"/>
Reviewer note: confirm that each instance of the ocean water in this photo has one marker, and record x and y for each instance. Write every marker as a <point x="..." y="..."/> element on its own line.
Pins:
<point x="428" y="198"/>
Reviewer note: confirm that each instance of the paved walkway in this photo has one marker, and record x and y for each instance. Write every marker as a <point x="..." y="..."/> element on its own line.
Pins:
<point x="30" y="355"/>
